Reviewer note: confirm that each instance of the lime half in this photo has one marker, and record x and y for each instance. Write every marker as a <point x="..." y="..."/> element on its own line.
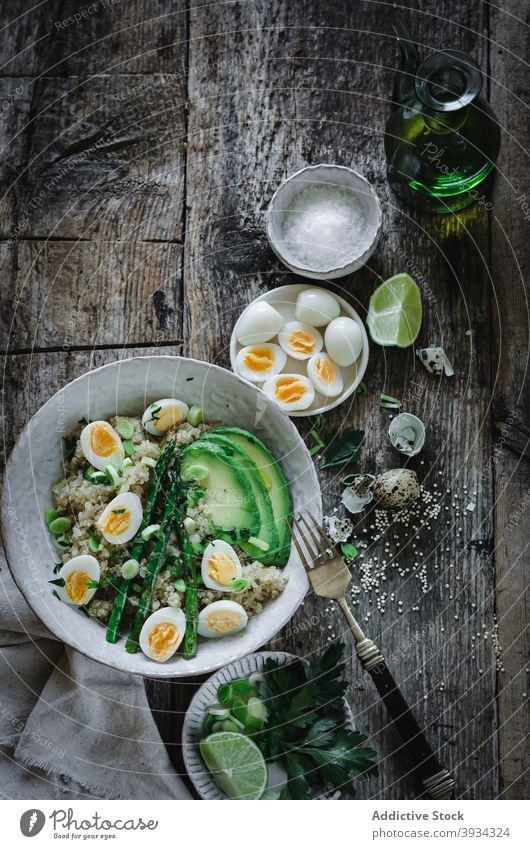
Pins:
<point x="237" y="765"/>
<point x="394" y="314"/>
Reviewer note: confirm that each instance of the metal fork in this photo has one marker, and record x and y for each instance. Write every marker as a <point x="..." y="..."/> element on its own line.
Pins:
<point x="330" y="578"/>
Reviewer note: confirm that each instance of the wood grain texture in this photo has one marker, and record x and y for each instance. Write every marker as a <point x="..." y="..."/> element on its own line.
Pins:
<point x="510" y="257"/>
<point x="141" y="148"/>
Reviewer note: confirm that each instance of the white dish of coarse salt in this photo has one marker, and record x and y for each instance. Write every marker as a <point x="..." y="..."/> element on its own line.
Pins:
<point x="263" y="323"/>
<point x="324" y="221"/>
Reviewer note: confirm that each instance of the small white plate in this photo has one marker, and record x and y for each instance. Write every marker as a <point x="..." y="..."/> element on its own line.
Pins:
<point x="206" y="696"/>
<point x="283" y="299"/>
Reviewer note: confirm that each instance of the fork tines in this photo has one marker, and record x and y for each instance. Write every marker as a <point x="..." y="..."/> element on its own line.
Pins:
<point x="322" y="550"/>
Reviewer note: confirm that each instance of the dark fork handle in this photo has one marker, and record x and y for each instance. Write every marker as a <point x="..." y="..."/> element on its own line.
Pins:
<point x="437" y="782"/>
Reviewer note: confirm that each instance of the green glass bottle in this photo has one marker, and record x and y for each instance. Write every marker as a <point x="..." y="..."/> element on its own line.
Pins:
<point x="442" y="139"/>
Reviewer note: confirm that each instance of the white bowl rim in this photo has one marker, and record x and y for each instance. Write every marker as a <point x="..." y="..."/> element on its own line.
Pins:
<point x="352" y="312"/>
<point x="160" y="671"/>
<point x="361" y="258"/>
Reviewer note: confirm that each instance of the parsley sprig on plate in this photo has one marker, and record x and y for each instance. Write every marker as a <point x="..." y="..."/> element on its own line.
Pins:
<point x="305" y="729"/>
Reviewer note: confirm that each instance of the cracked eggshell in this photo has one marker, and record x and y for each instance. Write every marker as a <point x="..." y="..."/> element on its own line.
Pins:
<point x="394" y="489"/>
<point x="407" y="434"/>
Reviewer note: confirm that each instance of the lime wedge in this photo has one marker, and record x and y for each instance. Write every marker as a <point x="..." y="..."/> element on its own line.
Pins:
<point x="394" y="314"/>
<point x="237" y="765"/>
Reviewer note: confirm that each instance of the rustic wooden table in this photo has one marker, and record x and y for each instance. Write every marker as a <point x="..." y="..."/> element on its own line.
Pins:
<point x="141" y="145"/>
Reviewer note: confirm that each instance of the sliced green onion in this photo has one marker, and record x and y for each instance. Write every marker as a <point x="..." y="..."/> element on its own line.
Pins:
<point x="94" y="543"/>
<point x="127" y="463"/>
<point x="349" y="479"/>
<point x="196" y="472"/>
<point x="242" y="687"/>
<point x="362" y="388"/>
<point x="257" y="708"/>
<point x="97" y="477"/>
<point x="137" y="588"/>
<point x="259" y="543"/>
<point x="180" y="586"/>
<point x="219" y="711"/>
<point x="228" y="725"/>
<point x="63" y="541"/>
<point x="58" y="485"/>
<point x="149" y="532"/>
<point x="225" y="693"/>
<point x="128" y="447"/>
<point x="112" y="474"/>
<point x="125" y="428"/>
<point x="218" y="726"/>
<point x="130" y="569"/>
<point x="389" y="403"/>
<point x="59" y="525"/>
<point x="189" y="524"/>
<point x="123" y="488"/>
<point x="195" y="415"/>
<point x="50" y="515"/>
<point x="238" y="585"/>
<point x="148" y="461"/>
<point x="349" y="552"/>
<point x="255" y="678"/>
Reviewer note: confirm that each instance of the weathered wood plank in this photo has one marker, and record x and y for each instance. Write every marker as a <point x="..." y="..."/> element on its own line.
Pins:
<point x="62" y="39"/>
<point x="510" y="258"/>
<point x="271" y="89"/>
<point x="103" y="157"/>
<point x="89" y="293"/>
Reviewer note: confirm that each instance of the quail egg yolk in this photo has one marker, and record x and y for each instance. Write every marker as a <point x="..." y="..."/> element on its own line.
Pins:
<point x="162" y="638"/>
<point x="76" y="586"/>
<point x="102" y="440"/>
<point x="289" y="389"/>
<point x="116" y="521"/>
<point x="301" y="341"/>
<point x="221" y="568"/>
<point x="223" y="621"/>
<point x="325" y="371"/>
<point x="169" y="416"/>
<point x="259" y="359"/>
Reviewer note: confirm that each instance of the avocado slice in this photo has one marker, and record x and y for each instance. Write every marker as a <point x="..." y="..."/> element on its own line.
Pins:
<point x="274" y="480"/>
<point x="268" y="532"/>
<point x="228" y="497"/>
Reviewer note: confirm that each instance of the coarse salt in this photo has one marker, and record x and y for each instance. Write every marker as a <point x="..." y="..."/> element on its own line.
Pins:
<point x="325" y="227"/>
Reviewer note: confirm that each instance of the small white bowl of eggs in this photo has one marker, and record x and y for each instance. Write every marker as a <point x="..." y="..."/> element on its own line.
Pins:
<point x="305" y="347"/>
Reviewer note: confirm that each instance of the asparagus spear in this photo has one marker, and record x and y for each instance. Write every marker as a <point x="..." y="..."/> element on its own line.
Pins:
<point x="123" y="585"/>
<point x="191" y="595"/>
<point x="157" y="557"/>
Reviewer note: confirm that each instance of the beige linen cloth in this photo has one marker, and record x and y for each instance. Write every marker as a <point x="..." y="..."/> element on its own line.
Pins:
<point x="70" y="727"/>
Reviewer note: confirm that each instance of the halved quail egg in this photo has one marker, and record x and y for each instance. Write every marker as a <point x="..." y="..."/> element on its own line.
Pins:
<point x="299" y="340"/>
<point x="81" y="578"/>
<point x="221" y="618"/>
<point x="259" y="362"/>
<point x="121" y="518"/>
<point x="162" y="633"/>
<point x="290" y="391"/>
<point x="220" y="566"/>
<point x="325" y="375"/>
<point x="161" y="415"/>
<point x="101" y="445"/>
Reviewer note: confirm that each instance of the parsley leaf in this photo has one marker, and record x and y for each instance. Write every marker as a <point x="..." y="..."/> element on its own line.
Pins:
<point x="344" y="447"/>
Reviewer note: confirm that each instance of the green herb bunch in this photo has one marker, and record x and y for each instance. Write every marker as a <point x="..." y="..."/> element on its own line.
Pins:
<point x="305" y="729"/>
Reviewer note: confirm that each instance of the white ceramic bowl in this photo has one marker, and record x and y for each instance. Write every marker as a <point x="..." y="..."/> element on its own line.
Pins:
<point x="126" y="387"/>
<point x="332" y="175"/>
<point x="283" y="299"/>
<point x="206" y="696"/>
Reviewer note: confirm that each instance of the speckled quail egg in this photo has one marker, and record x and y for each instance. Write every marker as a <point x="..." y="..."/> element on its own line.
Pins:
<point x="259" y="323"/>
<point x="162" y="633"/>
<point x="121" y="518"/>
<point x="101" y="445"/>
<point x="316" y="307"/>
<point x="81" y="578"/>
<point x="300" y="340"/>
<point x="344" y="340"/>
<point x="164" y="414"/>
<point x="290" y="391"/>
<point x="396" y="488"/>
<point x="221" y="618"/>
<point x="325" y="376"/>
<point x="220" y="566"/>
<point x="259" y="362"/>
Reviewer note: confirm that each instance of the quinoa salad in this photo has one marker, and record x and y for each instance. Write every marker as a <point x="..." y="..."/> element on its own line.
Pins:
<point x="168" y="530"/>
